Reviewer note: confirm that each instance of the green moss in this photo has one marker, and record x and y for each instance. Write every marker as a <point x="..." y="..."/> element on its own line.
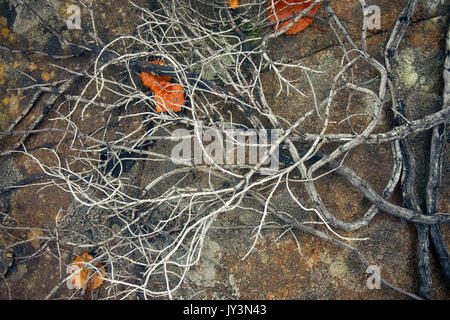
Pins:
<point x="406" y="72"/>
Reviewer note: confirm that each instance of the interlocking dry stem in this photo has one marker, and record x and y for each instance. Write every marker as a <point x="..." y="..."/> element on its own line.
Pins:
<point x="163" y="231"/>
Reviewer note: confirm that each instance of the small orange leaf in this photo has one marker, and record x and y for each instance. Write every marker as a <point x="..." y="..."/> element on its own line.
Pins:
<point x="166" y="94"/>
<point x="289" y="8"/>
<point x="233" y="3"/>
<point x="150" y="80"/>
<point x="80" y="275"/>
<point x="171" y="96"/>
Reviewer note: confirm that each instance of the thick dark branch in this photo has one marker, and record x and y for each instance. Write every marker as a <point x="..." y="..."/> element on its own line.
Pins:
<point x="410" y="200"/>
<point x="400" y="212"/>
<point x="434" y="181"/>
<point x="398" y="133"/>
<point x="433" y="191"/>
<point x="398" y="31"/>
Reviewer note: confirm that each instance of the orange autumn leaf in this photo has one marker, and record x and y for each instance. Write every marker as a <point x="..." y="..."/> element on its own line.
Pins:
<point x="233" y="3"/>
<point x="166" y="94"/>
<point x="151" y="81"/>
<point x="290" y="8"/>
<point x="171" y="96"/>
<point x="80" y="275"/>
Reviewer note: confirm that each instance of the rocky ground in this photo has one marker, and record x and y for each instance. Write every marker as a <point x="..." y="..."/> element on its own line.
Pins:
<point x="275" y="269"/>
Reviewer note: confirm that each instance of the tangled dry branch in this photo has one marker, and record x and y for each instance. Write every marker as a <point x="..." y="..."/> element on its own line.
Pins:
<point x="212" y="53"/>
